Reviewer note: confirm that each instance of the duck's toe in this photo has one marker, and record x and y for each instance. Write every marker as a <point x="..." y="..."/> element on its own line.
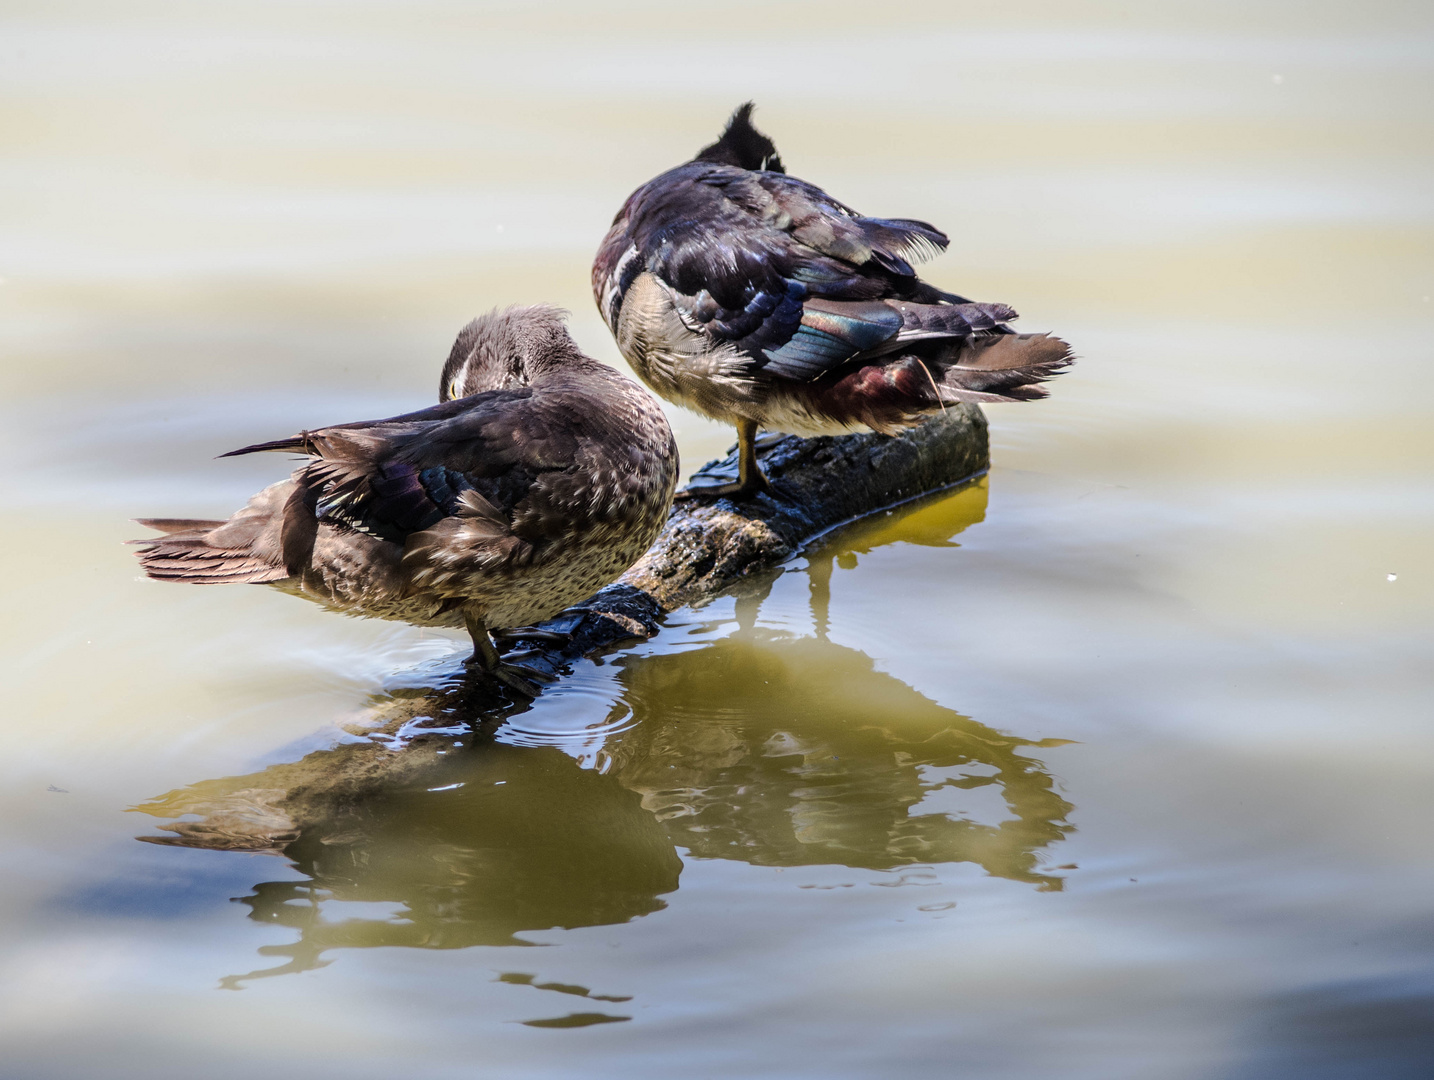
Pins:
<point x="531" y="633"/>
<point x="519" y="677"/>
<point x="523" y="678"/>
<point x="735" y="489"/>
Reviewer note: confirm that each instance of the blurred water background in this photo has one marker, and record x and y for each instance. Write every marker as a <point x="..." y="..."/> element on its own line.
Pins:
<point x="1114" y="766"/>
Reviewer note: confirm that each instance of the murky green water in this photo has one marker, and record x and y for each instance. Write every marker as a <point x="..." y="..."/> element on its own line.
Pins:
<point x="1117" y="765"/>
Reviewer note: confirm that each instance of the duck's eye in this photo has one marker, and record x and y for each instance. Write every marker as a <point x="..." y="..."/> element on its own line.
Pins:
<point x="453" y="394"/>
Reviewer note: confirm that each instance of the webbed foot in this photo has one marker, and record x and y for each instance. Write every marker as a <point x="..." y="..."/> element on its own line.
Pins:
<point x="485" y="658"/>
<point x="519" y="677"/>
<point x="750" y="478"/>
<point x="530" y="633"/>
<point x="559" y="629"/>
<point x="737" y="489"/>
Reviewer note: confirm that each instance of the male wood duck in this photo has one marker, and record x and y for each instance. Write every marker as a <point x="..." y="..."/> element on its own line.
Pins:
<point x="539" y="478"/>
<point x="758" y="299"/>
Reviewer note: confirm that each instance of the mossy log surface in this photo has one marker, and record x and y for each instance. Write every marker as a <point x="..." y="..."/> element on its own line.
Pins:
<point x="706" y="549"/>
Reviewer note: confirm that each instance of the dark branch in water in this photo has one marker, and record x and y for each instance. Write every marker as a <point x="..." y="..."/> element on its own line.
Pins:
<point x="707" y="548"/>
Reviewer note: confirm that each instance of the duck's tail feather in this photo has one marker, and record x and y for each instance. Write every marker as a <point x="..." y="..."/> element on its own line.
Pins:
<point x="1002" y="367"/>
<point x="249" y="547"/>
<point x="190" y="558"/>
<point x="169" y="526"/>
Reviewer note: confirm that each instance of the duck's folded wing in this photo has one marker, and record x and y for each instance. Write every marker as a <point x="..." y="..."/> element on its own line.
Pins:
<point x="389" y="499"/>
<point x="816" y="220"/>
<point x="795" y="279"/>
<point x="477" y="458"/>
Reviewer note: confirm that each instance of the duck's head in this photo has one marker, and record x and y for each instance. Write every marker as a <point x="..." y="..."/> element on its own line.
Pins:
<point x="743" y="145"/>
<point x="504" y="349"/>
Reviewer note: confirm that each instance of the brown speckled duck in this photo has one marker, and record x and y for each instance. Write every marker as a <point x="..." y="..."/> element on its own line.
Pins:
<point x="758" y="299"/>
<point x="539" y="478"/>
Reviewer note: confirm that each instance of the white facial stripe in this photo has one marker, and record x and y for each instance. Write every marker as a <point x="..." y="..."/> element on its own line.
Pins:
<point x="609" y="292"/>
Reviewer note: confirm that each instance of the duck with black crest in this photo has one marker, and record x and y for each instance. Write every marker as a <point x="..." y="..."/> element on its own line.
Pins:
<point x="759" y="300"/>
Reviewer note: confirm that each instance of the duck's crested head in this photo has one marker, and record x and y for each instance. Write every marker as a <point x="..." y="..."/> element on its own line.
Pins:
<point x="743" y="145"/>
<point x="509" y="348"/>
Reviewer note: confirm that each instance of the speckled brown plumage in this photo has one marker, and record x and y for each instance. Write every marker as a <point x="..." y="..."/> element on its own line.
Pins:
<point x="539" y="478"/>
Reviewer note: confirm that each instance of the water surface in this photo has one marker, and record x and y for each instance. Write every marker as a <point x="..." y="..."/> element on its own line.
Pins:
<point x="1113" y="765"/>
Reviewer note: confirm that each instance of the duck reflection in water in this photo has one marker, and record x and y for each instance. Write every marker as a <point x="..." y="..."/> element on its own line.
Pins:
<point x="761" y="747"/>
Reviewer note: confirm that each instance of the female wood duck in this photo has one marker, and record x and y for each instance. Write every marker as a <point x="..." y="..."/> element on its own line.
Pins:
<point x="758" y="299"/>
<point x="539" y="478"/>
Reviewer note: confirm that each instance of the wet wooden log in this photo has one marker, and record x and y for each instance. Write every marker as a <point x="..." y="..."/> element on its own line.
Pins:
<point x="707" y="549"/>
